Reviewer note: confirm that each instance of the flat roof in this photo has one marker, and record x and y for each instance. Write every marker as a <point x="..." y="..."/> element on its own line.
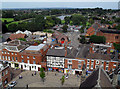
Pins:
<point x="35" y="48"/>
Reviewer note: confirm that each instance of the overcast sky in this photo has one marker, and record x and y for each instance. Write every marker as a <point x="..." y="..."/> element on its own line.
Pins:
<point x="106" y="4"/>
<point x="60" y="0"/>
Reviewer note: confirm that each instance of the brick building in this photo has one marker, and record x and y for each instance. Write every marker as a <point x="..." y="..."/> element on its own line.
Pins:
<point x="112" y="36"/>
<point x="4" y="74"/>
<point x="20" y="55"/>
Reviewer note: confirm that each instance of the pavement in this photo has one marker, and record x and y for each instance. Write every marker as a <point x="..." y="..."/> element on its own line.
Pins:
<point x="50" y="80"/>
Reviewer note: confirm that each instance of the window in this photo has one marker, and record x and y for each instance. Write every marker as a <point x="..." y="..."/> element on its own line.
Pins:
<point x="2" y="52"/>
<point x="8" y="58"/>
<point x="27" y="57"/>
<point x="5" y="52"/>
<point x="97" y="62"/>
<point x="12" y="53"/>
<point x="6" y="71"/>
<point x="106" y="68"/>
<point x="21" y="56"/>
<point x="92" y="66"/>
<point x="8" y="53"/>
<point x="79" y="61"/>
<point x="34" y="57"/>
<point x="3" y="57"/>
<point x="33" y="62"/>
<point x="116" y="37"/>
<point x="22" y="60"/>
<point x="96" y="66"/>
<point x="16" y="58"/>
<point x="28" y="61"/>
<point x="2" y="73"/>
<point x="92" y="61"/>
<point x="88" y="61"/>
<point x="79" y="66"/>
<point x="87" y="66"/>
<point x="69" y="61"/>
<point x="25" y="66"/>
<point x="12" y="58"/>
<point x="69" y="66"/>
<point x="15" y="53"/>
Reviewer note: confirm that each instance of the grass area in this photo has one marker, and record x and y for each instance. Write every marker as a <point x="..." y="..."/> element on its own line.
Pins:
<point x="48" y="31"/>
<point x="88" y="24"/>
<point x="63" y="21"/>
<point x="7" y="19"/>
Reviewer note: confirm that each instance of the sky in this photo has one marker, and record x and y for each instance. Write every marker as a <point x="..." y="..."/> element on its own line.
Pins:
<point x="106" y="4"/>
<point x="60" y="0"/>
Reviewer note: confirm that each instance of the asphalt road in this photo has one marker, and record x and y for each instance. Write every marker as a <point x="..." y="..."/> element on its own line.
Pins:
<point x="73" y="36"/>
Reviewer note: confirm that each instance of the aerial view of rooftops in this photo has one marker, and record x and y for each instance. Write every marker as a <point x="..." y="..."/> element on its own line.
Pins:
<point x="60" y="44"/>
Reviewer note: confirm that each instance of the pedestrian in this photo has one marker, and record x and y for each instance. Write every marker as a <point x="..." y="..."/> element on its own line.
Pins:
<point x="32" y="74"/>
<point x="55" y="74"/>
<point x="35" y="73"/>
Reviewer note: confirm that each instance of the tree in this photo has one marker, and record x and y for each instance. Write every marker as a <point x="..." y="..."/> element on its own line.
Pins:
<point x="42" y="74"/>
<point x="4" y="28"/>
<point x="67" y="20"/>
<point x="65" y="28"/>
<point x="97" y="39"/>
<point x="83" y="40"/>
<point x="22" y="39"/>
<point x="117" y="46"/>
<point x="62" y="80"/>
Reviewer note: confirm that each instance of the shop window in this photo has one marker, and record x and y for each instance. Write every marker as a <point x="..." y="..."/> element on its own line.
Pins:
<point x="34" y="57"/>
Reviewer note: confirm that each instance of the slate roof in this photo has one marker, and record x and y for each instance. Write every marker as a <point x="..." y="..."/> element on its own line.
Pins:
<point x="98" y="76"/>
<point x="56" y="52"/>
<point x="71" y="53"/>
<point x="113" y="31"/>
<point x="98" y="56"/>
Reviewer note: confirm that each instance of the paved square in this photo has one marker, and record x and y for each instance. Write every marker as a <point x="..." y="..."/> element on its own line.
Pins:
<point x="50" y="80"/>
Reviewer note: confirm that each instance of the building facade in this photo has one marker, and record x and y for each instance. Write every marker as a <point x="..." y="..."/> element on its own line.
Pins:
<point x="4" y="74"/>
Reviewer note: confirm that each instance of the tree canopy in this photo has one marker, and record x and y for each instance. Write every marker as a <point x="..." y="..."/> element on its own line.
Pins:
<point x="97" y="39"/>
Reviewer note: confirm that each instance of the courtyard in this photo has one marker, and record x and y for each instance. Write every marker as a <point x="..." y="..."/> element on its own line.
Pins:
<point x="50" y="80"/>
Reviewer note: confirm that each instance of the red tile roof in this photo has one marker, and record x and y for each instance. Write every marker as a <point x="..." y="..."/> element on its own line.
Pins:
<point x="16" y="36"/>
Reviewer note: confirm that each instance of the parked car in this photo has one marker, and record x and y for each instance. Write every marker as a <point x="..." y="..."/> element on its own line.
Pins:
<point x="12" y="84"/>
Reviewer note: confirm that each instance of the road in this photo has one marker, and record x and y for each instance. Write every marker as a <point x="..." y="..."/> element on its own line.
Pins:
<point x="73" y="36"/>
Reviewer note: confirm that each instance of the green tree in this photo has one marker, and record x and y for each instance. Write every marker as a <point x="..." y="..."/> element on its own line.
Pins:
<point x="42" y="74"/>
<point x="22" y="39"/>
<point x="67" y="20"/>
<point x="117" y="46"/>
<point x="62" y="80"/>
<point x="97" y="39"/>
<point x="65" y="28"/>
<point x="83" y="40"/>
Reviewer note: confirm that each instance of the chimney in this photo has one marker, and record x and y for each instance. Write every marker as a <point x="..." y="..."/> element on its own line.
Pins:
<point x="65" y="51"/>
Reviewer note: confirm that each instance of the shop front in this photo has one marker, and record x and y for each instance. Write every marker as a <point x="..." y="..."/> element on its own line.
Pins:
<point x="69" y="71"/>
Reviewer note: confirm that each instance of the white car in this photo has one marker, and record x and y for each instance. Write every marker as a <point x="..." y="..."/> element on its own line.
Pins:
<point x="12" y="84"/>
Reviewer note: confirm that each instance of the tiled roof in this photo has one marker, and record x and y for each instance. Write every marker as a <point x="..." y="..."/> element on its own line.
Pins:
<point x="16" y="36"/>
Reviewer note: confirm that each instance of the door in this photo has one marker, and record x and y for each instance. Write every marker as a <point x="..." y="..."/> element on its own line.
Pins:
<point x="21" y="66"/>
<point x="30" y="67"/>
<point x="38" y="68"/>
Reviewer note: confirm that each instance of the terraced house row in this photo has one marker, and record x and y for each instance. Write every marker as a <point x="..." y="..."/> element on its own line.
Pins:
<point x="66" y="59"/>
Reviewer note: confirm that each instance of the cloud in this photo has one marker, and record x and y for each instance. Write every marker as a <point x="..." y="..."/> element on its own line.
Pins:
<point x="60" y="0"/>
